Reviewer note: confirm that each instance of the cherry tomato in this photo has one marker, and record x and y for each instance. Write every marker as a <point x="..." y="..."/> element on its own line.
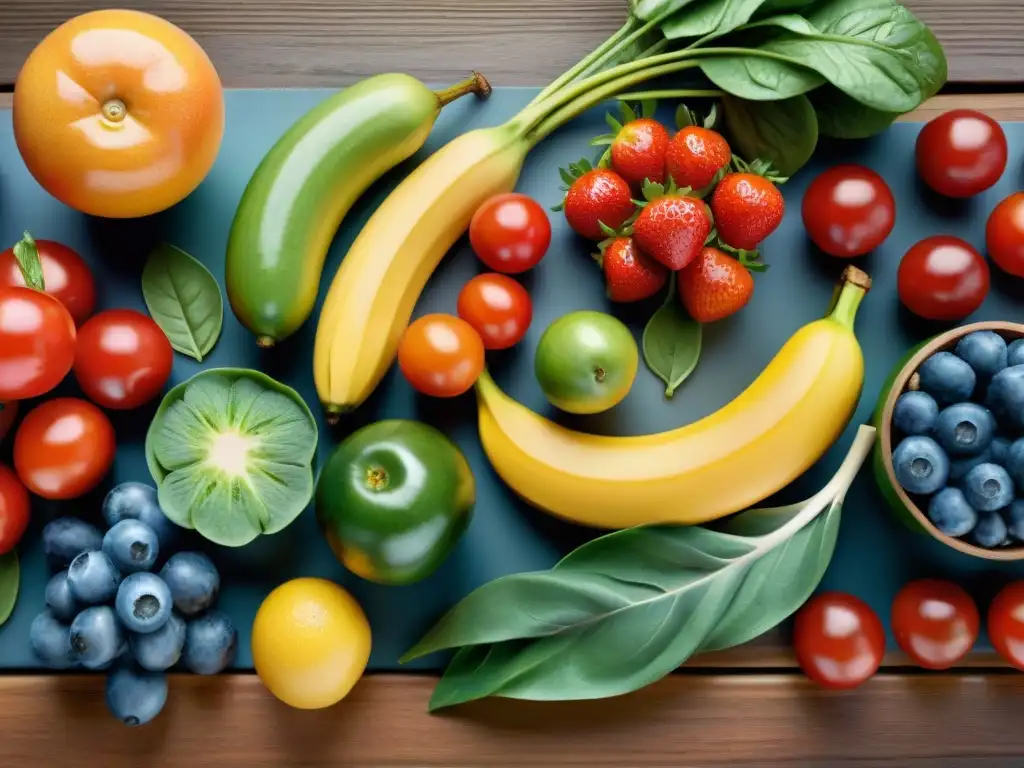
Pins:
<point x="935" y="622"/>
<point x="63" y="448"/>
<point x="942" y="278"/>
<point x="1004" y="234"/>
<point x="510" y="233"/>
<point x="498" y="307"/>
<point x="14" y="506"/>
<point x="1006" y="623"/>
<point x="961" y="153"/>
<point x="37" y="343"/>
<point x="441" y="355"/>
<point x="839" y="640"/>
<point x="122" y="359"/>
<point x="848" y="210"/>
<point x="8" y="413"/>
<point x="66" y="277"/>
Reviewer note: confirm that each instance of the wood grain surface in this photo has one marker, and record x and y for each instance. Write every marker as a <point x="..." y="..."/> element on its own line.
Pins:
<point x="529" y="42"/>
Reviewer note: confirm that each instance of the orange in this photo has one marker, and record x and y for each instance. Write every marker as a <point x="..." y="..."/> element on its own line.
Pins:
<point x="118" y="113"/>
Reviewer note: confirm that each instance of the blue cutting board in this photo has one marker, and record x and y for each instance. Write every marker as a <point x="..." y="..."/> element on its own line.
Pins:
<point x="875" y="554"/>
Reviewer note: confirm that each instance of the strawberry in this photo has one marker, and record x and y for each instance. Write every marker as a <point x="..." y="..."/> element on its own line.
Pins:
<point x="747" y="206"/>
<point x="696" y="157"/>
<point x="714" y="286"/>
<point x="629" y="273"/>
<point x="636" y="146"/>
<point x="595" y="196"/>
<point x="672" y="227"/>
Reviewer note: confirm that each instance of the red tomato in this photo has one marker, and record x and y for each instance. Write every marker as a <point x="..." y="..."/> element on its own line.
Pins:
<point x="510" y="233"/>
<point x="1004" y="234"/>
<point x="961" y="153"/>
<point x="441" y="355"/>
<point x="848" y="210"/>
<point x="37" y="343"/>
<point x="839" y="640"/>
<point x="13" y="510"/>
<point x="8" y="413"/>
<point x="498" y="307"/>
<point x="66" y="277"/>
<point x="1006" y="623"/>
<point x="942" y="278"/>
<point x="122" y="359"/>
<point x="63" y="448"/>
<point x="935" y="622"/>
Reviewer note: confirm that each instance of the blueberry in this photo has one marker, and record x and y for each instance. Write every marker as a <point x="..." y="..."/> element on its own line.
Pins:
<point x="1014" y="516"/>
<point x="921" y="465"/>
<point x="59" y="599"/>
<point x="143" y="602"/>
<point x="947" y="378"/>
<point x="193" y="580"/>
<point x="132" y="545"/>
<point x="138" y="501"/>
<point x="135" y="696"/>
<point x="1005" y="395"/>
<point x="990" y="530"/>
<point x="965" y="429"/>
<point x="97" y="637"/>
<point x="51" y="641"/>
<point x="915" y="413"/>
<point x="1015" y="353"/>
<point x="950" y="512"/>
<point x="998" y="449"/>
<point x="988" y="487"/>
<point x="958" y="468"/>
<point x="160" y="650"/>
<point x="210" y="643"/>
<point x="66" y="538"/>
<point x="1014" y="462"/>
<point x="93" y="578"/>
<point x="984" y="351"/>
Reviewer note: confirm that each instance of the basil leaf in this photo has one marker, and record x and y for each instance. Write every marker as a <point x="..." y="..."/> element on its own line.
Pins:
<point x="671" y="343"/>
<point x="10" y="576"/>
<point x="841" y="117"/>
<point x="783" y="132"/>
<point x="184" y="299"/>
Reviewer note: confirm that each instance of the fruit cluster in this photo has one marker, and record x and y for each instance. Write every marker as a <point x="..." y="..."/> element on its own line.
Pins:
<point x="107" y="609"/>
<point x="962" y="439"/>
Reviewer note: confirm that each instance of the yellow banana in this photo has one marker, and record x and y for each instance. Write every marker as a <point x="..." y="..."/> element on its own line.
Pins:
<point x="373" y="294"/>
<point x="744" y="452"/>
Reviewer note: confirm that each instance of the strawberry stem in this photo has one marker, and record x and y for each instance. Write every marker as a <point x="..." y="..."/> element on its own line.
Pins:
<point x="27" y="255"/>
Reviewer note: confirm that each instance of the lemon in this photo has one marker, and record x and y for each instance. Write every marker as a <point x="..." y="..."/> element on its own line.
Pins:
<point x="310" y="643"/>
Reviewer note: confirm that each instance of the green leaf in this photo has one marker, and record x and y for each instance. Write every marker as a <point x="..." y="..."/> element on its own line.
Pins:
<point x="10" y="578"/>
<point x="27" y="256"/>
<point x="672" y="342"/>
<point x="649" y="10"/>
<point x="759" y="78"/>
<point x="842" y="117"/>
<point x="709" y="17"/>
<point x="184" y="299"/>
<point x="782" y="132"/>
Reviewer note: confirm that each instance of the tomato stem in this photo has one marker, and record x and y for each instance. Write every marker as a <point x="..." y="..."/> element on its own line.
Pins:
<point x="27" y="255"/>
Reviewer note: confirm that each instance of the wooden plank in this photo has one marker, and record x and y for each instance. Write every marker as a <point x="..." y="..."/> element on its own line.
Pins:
<point x="332" y="42"/>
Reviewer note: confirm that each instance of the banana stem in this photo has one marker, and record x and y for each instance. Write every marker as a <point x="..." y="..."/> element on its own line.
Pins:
<point x="856" y="284"/>
<point x="476" y="84"/>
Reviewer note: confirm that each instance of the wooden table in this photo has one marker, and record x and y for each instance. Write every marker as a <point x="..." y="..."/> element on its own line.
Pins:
<point x="743" y="707"/>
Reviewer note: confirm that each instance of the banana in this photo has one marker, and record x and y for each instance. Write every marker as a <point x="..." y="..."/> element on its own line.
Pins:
<point x="744" y="452"/>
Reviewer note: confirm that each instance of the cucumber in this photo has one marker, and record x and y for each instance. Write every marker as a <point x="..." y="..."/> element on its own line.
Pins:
<point x="296" y="200"/>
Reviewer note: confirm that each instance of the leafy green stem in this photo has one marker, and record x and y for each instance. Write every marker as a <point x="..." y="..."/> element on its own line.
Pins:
<point x="679" y="93"/>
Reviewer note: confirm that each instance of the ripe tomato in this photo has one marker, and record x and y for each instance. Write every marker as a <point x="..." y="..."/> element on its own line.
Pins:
<point x="1006" y="623"/>
<point x="935" y="622"/>
<point x="498" y="307"/>
<point x="122" y="359"/>
<point x="66" y="277"/>
<point x="1004" y="234"/>
<point x="37" y="343"/>
<point x="441" y="355"/>
<point x="839" y="640"/>
<point x="13" y="509"/>
<point x="118" y="113"/>
<point x="961" y="153"/>
<point x="942" y="278"/>
<point x="848" y="210"/>
<point x="63" y="448"/>
<point x="510" y="233"/>
<point x="8" y="413"/>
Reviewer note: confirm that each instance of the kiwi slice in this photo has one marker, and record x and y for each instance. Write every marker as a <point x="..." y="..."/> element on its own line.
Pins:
<point x="231" y="451"/>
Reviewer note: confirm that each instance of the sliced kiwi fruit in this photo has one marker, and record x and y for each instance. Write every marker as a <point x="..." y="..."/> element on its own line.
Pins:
<point x="231" y="451"/>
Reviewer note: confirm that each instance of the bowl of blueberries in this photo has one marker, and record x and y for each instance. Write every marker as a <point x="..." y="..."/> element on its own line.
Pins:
<point x="950" y="452"/>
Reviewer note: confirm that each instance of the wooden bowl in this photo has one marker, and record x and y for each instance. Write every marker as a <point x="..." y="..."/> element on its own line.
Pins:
<point x="901" y="502"/>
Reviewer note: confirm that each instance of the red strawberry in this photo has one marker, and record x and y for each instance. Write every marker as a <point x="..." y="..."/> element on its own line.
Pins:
<point x="638" y="152"/>
<point x="747" y="208"/>
<point x="714" y="286"/>
<point x="696" y="156"/>
<point x="672" y="227"/>
<point x="595" y="196"/>
<point x="629" y="273"/>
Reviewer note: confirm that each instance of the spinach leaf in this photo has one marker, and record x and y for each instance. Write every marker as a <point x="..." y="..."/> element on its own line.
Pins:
<point x="649" y="10"/>
<point x="841" y="117"/>
<point x="784" y="132"/>
<point x="10" y="578"/>
<point x="760" y="78"/>
<point x="671" y="343"/>
<point x="719" y="17"/>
